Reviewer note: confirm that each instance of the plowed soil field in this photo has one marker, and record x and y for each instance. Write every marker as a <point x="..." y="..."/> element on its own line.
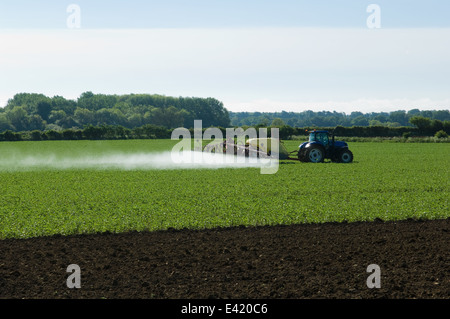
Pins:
<point x="288" y="262"/>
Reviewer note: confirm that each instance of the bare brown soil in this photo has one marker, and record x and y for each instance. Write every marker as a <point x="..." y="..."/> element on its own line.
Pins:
<point x="276" y="262"/>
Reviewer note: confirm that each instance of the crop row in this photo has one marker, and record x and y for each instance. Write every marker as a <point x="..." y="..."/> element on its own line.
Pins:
<point x="386" y="181"/>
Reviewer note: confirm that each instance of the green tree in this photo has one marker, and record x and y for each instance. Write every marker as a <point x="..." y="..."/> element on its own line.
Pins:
<point x="135" y="120"/>
<point x="442" y="115"/>
<point x="422" y="123"/>
<point x="399" y="117"/>
<point x="277" y="122"/>
<point x="5" y="123"/>
<point x="169" y="117"/>
<point x="84" y="116"/>
<point x="110" y="117"/>
<point x="360" y="121"/>
<point x="441" y="134"/>
<point x="436" y="125"/>
<point x="43" y="109"/>
<point x="18" y="118"/>
<point x="56" y="116"/>
<point x="286" y="132"/>
<point x="60" y="103"/>
<point x="446" y="126"/>
<point x="68" y="122"/>
<point x="375" y="123"/>
<point x="28" y="101"/>
<point x="35" y="122"/>
<point x="95" y="102"/>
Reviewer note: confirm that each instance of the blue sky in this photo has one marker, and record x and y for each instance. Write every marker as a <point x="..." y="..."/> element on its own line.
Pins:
<point x="223" y="13"/>
<point x="253" y="55"/>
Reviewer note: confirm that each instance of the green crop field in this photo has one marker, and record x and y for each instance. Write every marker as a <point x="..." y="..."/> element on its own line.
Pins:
<point x="46" y="189"/>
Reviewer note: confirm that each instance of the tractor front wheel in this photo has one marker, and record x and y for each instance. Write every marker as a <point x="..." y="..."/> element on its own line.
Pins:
<point x="345" y="156"/>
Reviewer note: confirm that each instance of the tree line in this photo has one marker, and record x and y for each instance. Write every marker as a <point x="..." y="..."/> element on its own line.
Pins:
<point x="29" y="116"/>
<point x="29" y="112"/>
<point x="333" y="119"/>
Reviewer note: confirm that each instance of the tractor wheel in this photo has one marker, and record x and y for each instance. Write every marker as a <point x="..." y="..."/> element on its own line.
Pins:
<point x="345" y="156"/>
<point x="315" y="154"/>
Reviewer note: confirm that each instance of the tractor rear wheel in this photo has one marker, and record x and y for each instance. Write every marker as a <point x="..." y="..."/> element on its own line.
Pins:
<point x="345" y="156"/>
<point x="315" y="154"/>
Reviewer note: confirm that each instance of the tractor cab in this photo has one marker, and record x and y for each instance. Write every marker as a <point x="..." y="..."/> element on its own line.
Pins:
<point x="320" y="136"/>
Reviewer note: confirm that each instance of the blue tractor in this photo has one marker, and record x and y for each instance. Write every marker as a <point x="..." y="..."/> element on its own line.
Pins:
<point x="321" y="145"/>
